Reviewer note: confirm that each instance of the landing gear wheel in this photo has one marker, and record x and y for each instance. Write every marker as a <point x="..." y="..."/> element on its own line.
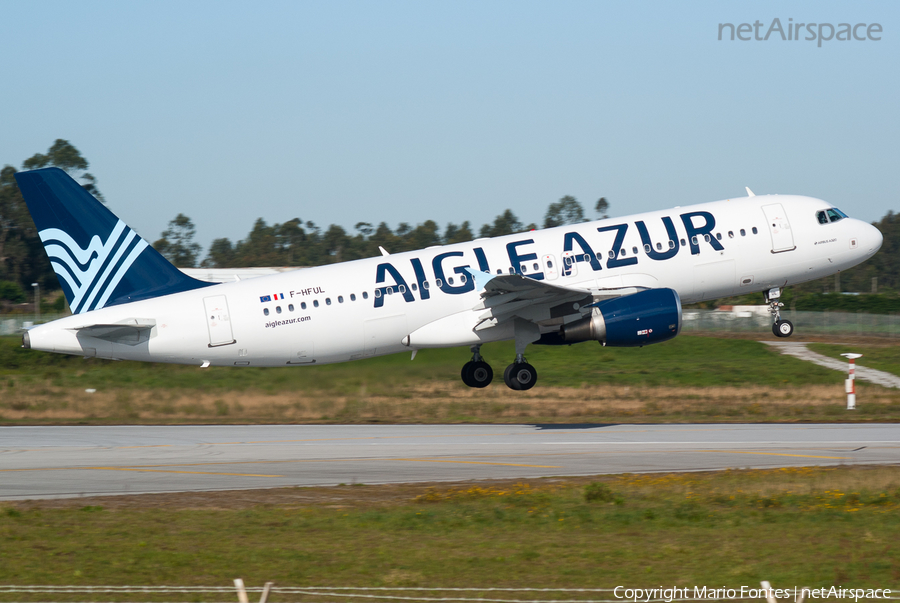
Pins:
<point x="477" y="374"/>
<point x="466" y="373"/>
<point x="520" y="376"/>
<point x="783" y="328"/>
<point x="481" y="374"/>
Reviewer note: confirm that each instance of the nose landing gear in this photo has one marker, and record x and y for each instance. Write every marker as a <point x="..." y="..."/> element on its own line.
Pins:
<point x="781" y="328"/>
<point x="477" y="372"/>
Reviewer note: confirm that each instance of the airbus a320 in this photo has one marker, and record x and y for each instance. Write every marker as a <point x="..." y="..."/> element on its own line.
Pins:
<point x="618" y="281"/>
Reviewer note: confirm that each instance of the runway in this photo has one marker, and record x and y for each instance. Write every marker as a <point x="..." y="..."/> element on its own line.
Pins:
<point x="51" y="462"/>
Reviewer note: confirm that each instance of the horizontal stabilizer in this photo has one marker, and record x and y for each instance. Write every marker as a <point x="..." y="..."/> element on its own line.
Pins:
<point x="133" y="332"/>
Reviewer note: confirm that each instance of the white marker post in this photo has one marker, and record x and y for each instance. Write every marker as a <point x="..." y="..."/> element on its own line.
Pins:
<point x="850" y="383"/>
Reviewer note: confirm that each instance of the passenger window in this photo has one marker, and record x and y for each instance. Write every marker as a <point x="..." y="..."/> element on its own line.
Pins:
<point x="353" y="297"/>
<point x="414" y="287"/>
<point x="730" y="234"/>
<point x="277" y="309"/>
<point x="499" y="271"/>
<point x="377" y="293"/>
<point x="683" y="243"/>
<point x="718" y="236"/>
<point x="646" y="248"/>
<point x="315" y="303"/>
<point x="425" y="285"/>
<point x="340" y="299"/>
<point x="755" y="231"/>
<point x="634" y="250"/>
<point x="743" y="233"/>
<point x="659" y="246"/>
<point x="365" y="295"/>
<point x="402" y="288"/>
<point x="266" y="311"/>
<point x="512" y="270"/>
<point x="536" y="267"/>
<point x="450" y="281"/>
<point x="463" y="279"/>
<point x="706" y="238"/>
<point x="612" y="254"/>
<point x="438" y="282"/>
<point x="549" y="264"/>
<point x="694" y="240"/>
<point x="587" y="257"/>
<point x="290" y="307"/>
<point x="523" y="268"/>
<point x="303" y="305"/>
<point x="327" y="301"/>
<point x="623" y="252"/>
<point x="671" y="244"/>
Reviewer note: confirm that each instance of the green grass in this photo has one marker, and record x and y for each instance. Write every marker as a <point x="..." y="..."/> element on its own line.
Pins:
<point x="883" y="358"/>
<point x="692" y="379"/>
<point x="694" y="361"/>
<point x="789" y="526"/>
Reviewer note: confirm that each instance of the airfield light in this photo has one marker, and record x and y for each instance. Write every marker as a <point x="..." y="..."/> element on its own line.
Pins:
<point x="850" y="383"/>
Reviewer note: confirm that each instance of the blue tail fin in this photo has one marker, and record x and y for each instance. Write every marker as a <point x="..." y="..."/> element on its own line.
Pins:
<point x="98" y="259"/>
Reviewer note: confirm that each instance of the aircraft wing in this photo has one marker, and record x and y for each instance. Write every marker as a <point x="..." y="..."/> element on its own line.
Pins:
<point x="508" y="296"/>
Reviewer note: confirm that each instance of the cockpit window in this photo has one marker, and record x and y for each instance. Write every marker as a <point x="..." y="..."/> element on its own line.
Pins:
<point x="835" y="214"/>
<point x="830" y="215"/>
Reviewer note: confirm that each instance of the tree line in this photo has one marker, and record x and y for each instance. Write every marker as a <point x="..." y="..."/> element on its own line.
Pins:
<point x="303" y="243"/>
<point x="299" y="243"/>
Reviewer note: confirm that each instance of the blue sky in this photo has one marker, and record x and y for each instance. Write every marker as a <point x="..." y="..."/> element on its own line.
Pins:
<point x="340" y="112"/>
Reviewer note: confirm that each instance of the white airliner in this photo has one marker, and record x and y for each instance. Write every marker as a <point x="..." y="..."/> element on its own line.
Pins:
<point x="618" y="281"/>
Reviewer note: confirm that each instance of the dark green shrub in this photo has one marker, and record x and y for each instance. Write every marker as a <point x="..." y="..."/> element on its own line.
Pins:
<point x="598" y="492"/>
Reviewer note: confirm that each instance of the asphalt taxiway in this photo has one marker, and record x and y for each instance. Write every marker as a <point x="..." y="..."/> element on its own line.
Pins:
<point x="50" y="462"/>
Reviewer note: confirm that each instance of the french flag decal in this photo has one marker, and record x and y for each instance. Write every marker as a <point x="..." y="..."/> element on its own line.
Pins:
<point x="265" y="298"/>
<point x="277" y="296"/>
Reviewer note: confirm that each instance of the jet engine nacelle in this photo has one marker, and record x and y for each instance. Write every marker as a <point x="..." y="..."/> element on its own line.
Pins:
<point x="633" y="320"/>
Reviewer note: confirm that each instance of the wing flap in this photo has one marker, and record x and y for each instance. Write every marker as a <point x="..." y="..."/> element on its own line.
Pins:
<point x="510" y="296"/>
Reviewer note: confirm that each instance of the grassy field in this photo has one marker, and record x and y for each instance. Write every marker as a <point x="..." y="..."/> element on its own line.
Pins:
<point x="790" y="526"/>
<point x="882" y="357"/>
<point x="689" y="379"/>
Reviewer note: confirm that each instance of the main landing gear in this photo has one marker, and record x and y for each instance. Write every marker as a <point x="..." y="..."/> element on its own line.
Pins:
<point x="781" y="328"/>
<point x="518" y="376"/>
<point x="477" y="372"/>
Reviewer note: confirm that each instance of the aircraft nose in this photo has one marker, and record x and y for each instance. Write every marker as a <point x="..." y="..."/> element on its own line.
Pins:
<point x="872" y="239"/>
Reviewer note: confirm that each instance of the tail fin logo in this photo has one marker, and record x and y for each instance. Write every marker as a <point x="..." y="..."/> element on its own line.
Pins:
<point x="92" y="274"/>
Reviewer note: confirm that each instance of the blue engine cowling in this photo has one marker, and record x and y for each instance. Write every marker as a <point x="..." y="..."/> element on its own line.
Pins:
<point x="639" y="319"/>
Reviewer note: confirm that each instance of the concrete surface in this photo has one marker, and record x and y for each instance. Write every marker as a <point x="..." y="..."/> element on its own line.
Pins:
<point x="49" y="462"/>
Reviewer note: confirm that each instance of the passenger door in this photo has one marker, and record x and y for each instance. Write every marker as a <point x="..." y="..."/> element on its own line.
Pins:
<point x="218" y="321"/>
<point x="779" y="228"/>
